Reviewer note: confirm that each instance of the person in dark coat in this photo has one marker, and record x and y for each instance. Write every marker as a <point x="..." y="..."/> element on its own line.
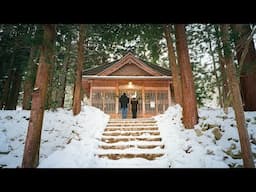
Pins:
<point x="124" y="100"/>
<point x="134" y="103"/>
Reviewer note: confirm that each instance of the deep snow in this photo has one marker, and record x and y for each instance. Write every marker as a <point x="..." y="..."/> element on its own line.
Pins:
<point x="71" y="142"/>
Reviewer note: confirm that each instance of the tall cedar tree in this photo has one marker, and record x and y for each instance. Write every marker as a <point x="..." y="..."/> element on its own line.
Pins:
<point x="190" y="114"/>
<point x="8" y="82"/>
<point x="32" y="145"/>
<point x="247" y="66"/>
<point x="29" y="80"/>
<point x="173" y="65"/>
<point x="208" y="31"/>
<point x="14" y="90"/>
<point x="237" y="101"/>
<point x="80" y="61"/>
<point x="63" y="76"/>
<point x="7" y="89"/>
<point x="225" y="90"/>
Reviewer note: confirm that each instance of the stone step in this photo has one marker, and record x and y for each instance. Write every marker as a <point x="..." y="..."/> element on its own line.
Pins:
<point x="155" y="150"/>
<point x="130" y="129"/>
<point x="135" y="142"/>
<point x="129" y="133"/>
<point x="148" y="156"/>
<point x="115" y="140"/>
<point x="131" y="138"/>
<point x="121" y="147"/>
<point x="133" y="120"/>
<point x="131" y="124"/>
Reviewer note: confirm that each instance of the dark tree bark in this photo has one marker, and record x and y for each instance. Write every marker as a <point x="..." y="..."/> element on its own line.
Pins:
<point x="237" y="101"/>
<point x="7" y="89"/>
<point x="78" y="82"/>
<point x="29" y="80"/>
<point x="173" y="66"/>
<point x="63" y="76"/>
<point x="7" y="83"/>
<point x="14" y="91"/>
<point x="50" y="90"/>
<point x="214" y="65"/>
<point x="190" y="114"/>
<point x="32" y="145"/>
<point x="247" y="66"/>
<point x="225" y="103"/>
<point x="26" y="105"/>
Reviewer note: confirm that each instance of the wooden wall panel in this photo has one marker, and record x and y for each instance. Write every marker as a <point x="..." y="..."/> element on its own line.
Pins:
<point x="105" y="95"/>
<point x="130" y="70"/>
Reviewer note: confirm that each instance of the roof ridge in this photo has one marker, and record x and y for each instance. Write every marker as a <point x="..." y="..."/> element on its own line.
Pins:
<point x="147" y="62"/>
<point x="102" y="67"/>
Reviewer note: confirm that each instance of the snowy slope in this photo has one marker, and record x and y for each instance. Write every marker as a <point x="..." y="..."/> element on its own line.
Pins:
<point x="72" y="142"/>
<point x="67" y="141"/>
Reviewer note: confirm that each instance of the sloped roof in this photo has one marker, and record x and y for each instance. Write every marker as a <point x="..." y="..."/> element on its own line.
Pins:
<point x="100" y="68"/>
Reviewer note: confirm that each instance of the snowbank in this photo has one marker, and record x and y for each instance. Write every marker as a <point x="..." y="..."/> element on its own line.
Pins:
<point x="198" y="148"/>
<point x="61" y="133"/>
<point x="71" y="141"/>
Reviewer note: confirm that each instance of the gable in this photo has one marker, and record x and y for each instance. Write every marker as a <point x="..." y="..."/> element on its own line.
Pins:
<point x="129" y="62"/>
<point x="130" y="70"/>
<point x="129" y="65"/>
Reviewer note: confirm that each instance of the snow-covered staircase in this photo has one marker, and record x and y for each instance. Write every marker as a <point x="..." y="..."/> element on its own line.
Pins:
<point x="131" y="138"/>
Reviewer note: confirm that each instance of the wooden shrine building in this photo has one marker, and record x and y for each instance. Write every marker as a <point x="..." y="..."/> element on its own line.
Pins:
<point x="151" y="84"/>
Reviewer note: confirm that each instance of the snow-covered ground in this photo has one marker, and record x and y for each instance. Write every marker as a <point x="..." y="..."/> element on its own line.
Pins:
<point x="198" y="148"/>
<point x="67" y="141"/>
<point x="72" y="142"/>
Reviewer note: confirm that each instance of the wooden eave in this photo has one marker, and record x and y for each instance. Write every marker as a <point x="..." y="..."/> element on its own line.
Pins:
<point x="126" y="60"/>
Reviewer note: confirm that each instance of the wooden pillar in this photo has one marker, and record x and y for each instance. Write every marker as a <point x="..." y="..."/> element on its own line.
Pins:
<point x="103" y="93"/>
<point x="117" y="99"/>
<point x="156" y="102"/>
<point x="143" y="100"/>
<point x="91" y="87"/>
<point x="169" y="93"/>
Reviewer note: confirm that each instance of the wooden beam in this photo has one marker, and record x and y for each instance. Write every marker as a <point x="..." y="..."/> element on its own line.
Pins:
<point x="143" y="100"/>
<point x="117" y="99"/>
<point x="91" y="92"/>
<point x="156" y="88"/>
<point x="128" y="77"/>
<point x="105" y="88"/>
<point x="126" y="60"/>
<point x="169" y="95"/>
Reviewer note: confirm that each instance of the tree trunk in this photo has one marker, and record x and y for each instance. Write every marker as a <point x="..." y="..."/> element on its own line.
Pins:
<point x="225" y="99"/>
<point x="214" y="66"/>
<point x="50" y="103"/>
<point x="247" y="67"/>
<point x="237" y="101"/>
<point x="63" y="91"/>
<point x="63" y="76"/>
<point x="7" y="83"/>
<point x="29" y="81"/>
<point x="9" y="99"/>
<point x="173" y="66"/>
<point x="32" y="145"/>
<point x="14" y="91"/>
<point x="7" y="89"/>
<point x="190" y="115"/>
<point x="78" y="82"/>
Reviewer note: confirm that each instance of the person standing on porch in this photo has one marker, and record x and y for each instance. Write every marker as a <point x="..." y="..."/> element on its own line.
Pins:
<point x="134" y="103"/>
<point x="124" y="100"/>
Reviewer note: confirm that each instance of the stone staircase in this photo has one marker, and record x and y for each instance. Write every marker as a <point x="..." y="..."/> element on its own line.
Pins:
<point x="131" y="138"/>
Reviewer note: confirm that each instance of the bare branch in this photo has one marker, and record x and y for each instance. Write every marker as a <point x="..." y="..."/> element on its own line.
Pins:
<point x="246" y="47"/>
